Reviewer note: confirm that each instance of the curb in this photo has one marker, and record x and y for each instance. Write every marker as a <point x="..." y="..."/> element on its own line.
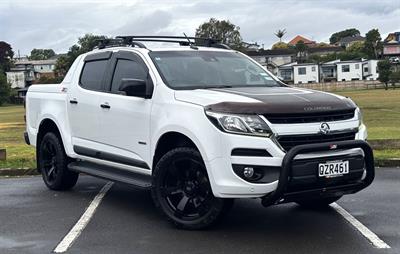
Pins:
<point x="395" y="162"/>
<point x="10" y="172"/>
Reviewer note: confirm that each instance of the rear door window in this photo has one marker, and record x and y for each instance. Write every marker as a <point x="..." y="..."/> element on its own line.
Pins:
<point x="92" y="75"/>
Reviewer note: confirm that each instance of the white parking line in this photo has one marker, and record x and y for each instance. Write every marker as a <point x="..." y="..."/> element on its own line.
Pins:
<point x="371" y="236"/>
<point x="74" y="233"/>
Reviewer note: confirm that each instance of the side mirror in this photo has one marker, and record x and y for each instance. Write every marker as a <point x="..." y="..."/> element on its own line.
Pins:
<point x="134" y="87"/>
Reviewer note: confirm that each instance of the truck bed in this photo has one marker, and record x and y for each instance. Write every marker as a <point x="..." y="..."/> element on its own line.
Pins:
<point x="44" y="101"/>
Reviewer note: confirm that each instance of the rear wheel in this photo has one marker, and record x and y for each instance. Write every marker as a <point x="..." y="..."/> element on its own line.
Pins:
<point x="52" y="163"/>
<point x="318" y="203"/>
<point x="182" y="191"/>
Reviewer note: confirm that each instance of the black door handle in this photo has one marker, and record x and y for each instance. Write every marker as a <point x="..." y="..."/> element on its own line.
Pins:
<point x="105" y="105"/>
<point x="73" y="101"/>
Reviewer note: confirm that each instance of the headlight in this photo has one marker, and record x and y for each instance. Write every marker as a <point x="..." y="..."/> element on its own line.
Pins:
<point x="359" y="116"/>
<point x="240" y="124"/>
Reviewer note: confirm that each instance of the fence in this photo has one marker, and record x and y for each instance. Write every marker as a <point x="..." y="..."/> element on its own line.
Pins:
<point x="17" y="100"/>
<point x="344" y="85"/>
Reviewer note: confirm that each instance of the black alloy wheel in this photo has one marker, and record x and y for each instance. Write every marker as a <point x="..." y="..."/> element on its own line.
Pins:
<point x="49" y="161"/>
<point x="52" y="163"/>
<point x="182" y="190"/>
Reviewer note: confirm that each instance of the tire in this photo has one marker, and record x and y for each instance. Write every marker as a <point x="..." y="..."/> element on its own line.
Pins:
<point x="318" y="203"/>
<point x="52" y="163"/>
<point x="182" y="191"/>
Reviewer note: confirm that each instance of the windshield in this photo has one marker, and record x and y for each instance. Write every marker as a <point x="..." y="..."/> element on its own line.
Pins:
<point x="209" y="69"/>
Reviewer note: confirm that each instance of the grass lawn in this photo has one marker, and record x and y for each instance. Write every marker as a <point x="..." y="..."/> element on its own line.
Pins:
<point x="12" y="126"/>
<point x="381" y="110"/>
<point x="381" y="113"/>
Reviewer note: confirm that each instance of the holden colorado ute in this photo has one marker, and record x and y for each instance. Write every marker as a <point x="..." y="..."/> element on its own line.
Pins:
<point x="199" y="125"/>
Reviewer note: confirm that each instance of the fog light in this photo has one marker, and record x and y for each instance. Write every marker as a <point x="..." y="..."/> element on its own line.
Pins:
<point x="248" y="172"/>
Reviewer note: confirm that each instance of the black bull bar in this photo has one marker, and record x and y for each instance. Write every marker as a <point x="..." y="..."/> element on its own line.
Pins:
<point x="280" y="194"/>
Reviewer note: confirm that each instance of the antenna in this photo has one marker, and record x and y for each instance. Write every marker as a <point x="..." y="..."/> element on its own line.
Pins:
<point x="190" y="43"/>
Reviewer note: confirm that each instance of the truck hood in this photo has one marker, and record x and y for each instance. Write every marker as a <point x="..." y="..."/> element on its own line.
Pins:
<point x="265" y="100"/>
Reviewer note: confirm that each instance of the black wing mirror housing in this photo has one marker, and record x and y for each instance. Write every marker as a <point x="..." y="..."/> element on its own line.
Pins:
<point x="134" y="87"/>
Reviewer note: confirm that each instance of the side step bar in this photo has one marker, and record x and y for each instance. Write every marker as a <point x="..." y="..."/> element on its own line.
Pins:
<point x="112" y="173"/>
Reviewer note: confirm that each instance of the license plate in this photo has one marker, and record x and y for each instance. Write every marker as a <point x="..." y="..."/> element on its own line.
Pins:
<point x="333" y="168"/>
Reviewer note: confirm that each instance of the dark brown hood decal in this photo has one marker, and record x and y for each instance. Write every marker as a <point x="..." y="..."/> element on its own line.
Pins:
<point x="281" y="100"/>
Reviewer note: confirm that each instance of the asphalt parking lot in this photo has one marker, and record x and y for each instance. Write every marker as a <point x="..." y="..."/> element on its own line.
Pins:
<point x="35" y="220"/>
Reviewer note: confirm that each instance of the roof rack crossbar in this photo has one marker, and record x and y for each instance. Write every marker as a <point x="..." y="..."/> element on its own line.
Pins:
<point x="136" y="40"/>
<point x="182" y="43"/>
<point x="117" y="42"/>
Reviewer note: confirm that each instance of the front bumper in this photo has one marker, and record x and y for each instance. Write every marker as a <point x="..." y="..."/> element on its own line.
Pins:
<point x="282" y="193"/>
<point x="225" y="183"/>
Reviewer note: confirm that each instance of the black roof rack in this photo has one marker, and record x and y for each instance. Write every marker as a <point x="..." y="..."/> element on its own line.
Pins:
<point x="117" y="42"/>
<point x="181" y="40"/>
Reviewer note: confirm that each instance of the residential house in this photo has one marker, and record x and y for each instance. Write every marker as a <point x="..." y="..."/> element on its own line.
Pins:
<point x="305" y="73"/>
<point x="391" y="47"/>
<point x="328" y="71"/>
<point x="306" y="41"/>
<point x="370" y="69"/>
<point x="349" y="40"/>
<point x="300" y="73"/>
<point x="349" y="70"/>
<point x="285" y="73"/>
<point x="25" y="72"/>
<point x="44" y="68"/>
<point x="21" y="75"/>
<point x="273" y="58"/>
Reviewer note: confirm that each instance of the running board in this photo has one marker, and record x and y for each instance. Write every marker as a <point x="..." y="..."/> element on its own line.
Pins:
<point x="141" y="181"/>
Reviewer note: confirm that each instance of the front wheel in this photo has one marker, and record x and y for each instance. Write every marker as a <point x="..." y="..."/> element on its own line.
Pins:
<point x="318" y="203"/>
<point x="181" y="190"/>
<point x="52" y="163"/>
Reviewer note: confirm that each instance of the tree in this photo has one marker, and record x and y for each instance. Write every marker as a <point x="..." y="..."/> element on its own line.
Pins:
<point x="6" y="54"/>
<point x="384" y="72"/>
<point x="85" y="44"/>
<point x="88" y="42"/>
<point x="41" y="54"/>
<point x="356" y="47"/>
<point x="373" y="43"/>
<point x="345" y="33"/>
<point x="280" y="45"/>
<point x="62" y="65"/>
<point x="301" y="49"/>
<point x="223" y="30"/>
<point x="280" y="33"/>
<point x="394" y="78"/>
<point x="5" y="89"/>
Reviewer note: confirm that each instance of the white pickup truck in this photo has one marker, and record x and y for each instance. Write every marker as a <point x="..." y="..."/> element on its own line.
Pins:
<point x="198" y="125"/>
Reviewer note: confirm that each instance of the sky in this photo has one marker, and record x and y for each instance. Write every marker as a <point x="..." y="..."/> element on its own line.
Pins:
<point x="58" y="24"/>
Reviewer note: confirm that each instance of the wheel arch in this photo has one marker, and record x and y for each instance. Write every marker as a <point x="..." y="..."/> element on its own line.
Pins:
<point x="48" y="125"/>
<point x="170" y="140"/>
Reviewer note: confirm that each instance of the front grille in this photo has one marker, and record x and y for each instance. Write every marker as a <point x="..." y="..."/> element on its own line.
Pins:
<point x="289" y="141"/>
<point x="311" y="117"/>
